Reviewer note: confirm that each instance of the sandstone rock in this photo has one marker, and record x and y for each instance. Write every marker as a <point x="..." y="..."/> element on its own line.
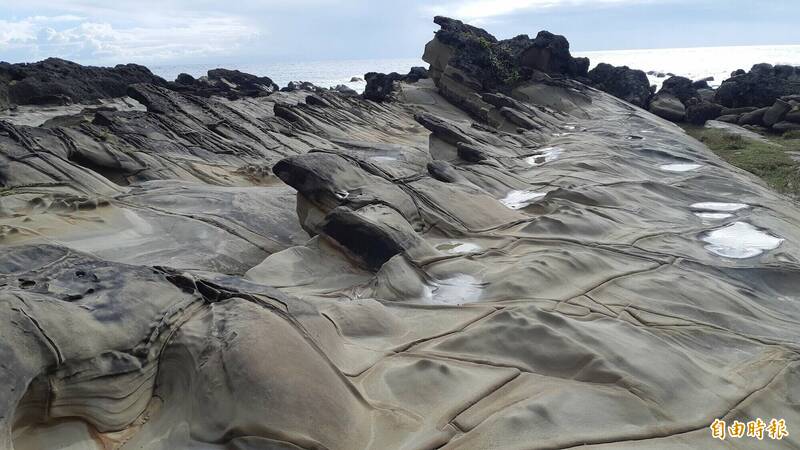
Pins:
<point x="753" y="118"/>
<point x="776" y="113"/>
<point x="729" y="118"/>
<point x="669" y="107"/>
<point x="785" y="126"/>
<point x="793" y="115"/>
<point x="742" y="110"/>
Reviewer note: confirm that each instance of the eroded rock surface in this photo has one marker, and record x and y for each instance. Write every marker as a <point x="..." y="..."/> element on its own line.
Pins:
<point x="461" y="267"/>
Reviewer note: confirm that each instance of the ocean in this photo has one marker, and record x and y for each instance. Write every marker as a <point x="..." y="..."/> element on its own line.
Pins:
<point x="694" y="63"/>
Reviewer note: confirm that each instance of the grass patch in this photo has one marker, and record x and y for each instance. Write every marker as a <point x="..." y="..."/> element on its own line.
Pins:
<point x="772" y="163"/>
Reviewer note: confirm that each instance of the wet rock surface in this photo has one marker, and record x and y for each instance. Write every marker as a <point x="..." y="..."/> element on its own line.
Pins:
<point x="461" y="267"/>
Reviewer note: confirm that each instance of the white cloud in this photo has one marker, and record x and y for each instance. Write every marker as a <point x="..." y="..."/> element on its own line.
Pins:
<point x="74" y="37"/>
<point x="478" y="10"/>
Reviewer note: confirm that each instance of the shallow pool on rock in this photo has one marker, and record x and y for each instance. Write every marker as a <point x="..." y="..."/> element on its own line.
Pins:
<point x="679" y="167"/>
<point x="719" y="206"/>
<point x="740" y="240"/>
<point x="546" y="154"/>
<point x="521" y="199"/>
<point x="458" y="247"/>
<point x="456" y="290"/>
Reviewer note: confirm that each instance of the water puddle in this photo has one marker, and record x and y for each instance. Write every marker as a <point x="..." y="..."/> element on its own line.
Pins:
<point x="454" y="291"/>
<point x="719" y="206"/>
<point x="458" y="247"/>
<point x="383" y="158"/>
<point x="545" y="155"/>
<point x="521" y="199"/>
<point x="712" y="215"/>
<point x="740" y="240"/>
<point x="679" y="167"/>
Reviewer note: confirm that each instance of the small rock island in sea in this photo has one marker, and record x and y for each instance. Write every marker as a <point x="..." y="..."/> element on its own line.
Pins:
<point x="502" y="250"/>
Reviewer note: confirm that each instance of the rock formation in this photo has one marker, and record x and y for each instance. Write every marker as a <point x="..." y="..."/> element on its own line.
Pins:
<point x="480" y="262"/>
<point x="58" y="82"/>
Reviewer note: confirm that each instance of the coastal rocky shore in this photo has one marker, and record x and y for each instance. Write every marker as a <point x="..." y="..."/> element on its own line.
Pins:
<point x="765" y="99"/>
<point x="502" y="250"/>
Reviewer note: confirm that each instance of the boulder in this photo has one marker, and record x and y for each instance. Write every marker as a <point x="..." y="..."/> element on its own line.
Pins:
<point x="776" y="112"/>
<point x="345" y="90"/>
<point x="785" y="126"/>
<point x="760" y="87"/>
<point x="185" y="79"/>
<point x="793" y="115"/>
<point x="380" y="85"/>
<point x="699" y="113"/>
<point x="356" y="79"/>
<point x="706" y="95"/>
<point x="301" y="86"/>
<point x="56" y="81"/>
<point x="679" y="87"/>
<point x="738" y="111"/>
<point x="415" y="74"/>
<point x="623" y="82"/>
<point x="549" y="53"/>
<point x="668" y="107"/>
<point x="729" y="118"/>
<point x="753" y="118"/>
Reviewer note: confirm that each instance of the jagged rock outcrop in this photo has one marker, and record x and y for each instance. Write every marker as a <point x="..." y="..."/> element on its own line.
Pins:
<point x="761" y="86"/>
<point x="55" y="81"/>
<point x="232" y="84"/>
<point x="381" y="85"/>
<point x="623" y="82"/>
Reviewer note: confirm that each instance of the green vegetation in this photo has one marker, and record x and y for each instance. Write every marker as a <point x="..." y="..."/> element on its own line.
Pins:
<point x="501" y="67"/>
<point x="771" y="161"/>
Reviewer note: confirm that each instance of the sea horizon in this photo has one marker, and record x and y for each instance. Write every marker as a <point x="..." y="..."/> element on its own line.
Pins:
<point x="690" y="62"/>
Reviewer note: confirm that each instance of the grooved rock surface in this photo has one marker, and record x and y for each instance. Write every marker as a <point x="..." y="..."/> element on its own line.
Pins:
<point x="563" y="269"/>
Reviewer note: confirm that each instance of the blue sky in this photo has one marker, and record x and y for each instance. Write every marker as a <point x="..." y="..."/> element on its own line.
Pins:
<point x="198" y="31"/>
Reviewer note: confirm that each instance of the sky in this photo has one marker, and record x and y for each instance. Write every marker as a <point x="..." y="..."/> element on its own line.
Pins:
<point x="198" y="31"/>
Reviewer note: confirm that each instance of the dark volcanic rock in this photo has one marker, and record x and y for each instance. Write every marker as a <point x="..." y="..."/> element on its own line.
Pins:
<point x="301" y="86"/>
<point x="490" y="64"/>
<point x="549" y="53"/>
<point x="57" y="82"/>
<point x="628" y="84"/>
<point x="416" y="73"/>
<point x="380" y="85"/>
<point x="185" y="79"/>
<point x="760" y="87"/>
<point x="232" y="84"/>
<point x="698" y="113"/>
<point x="681" y="88"/>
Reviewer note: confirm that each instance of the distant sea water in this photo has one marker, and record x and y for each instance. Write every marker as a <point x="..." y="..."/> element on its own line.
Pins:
<point x="694" y="63"/>
<point x="321" y="73"/>
<point x="699" y="62"/>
